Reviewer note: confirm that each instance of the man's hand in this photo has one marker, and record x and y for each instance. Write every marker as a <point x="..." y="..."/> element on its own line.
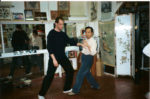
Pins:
<point x="85" y="43"/>
<point x="54" y="60"/>
<point x="79" y="44"/>
<point x="55" y="63"/>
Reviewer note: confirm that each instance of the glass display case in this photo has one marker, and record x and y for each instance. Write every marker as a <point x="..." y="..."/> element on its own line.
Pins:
<point x="9" y="29"/>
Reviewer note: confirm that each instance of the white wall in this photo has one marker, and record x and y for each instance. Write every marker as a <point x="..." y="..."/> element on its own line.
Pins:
<point x="78" y="9"/>
<point x="44" y="7"/>
<point x="52" y="6"/>
<point x="18" y="7"/>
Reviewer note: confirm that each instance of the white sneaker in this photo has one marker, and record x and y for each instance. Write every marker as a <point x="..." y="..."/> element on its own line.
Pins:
<point x="9" y="77"/>
<point x="28" y="74"/>
<point x="67" y="91"/>
<point x="148" y="95"/>
<point x="71" y="93"/>
<point x="40" y="97"/>
<point x="21" y="66"/>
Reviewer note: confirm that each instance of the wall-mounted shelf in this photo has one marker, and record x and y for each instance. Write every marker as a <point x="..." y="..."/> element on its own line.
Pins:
<point x="41" y="22"/>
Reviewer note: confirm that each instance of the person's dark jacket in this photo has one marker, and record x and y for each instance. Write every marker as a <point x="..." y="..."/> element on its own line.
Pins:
<point x="20" y="40"/>
<point x="56" y="43"/>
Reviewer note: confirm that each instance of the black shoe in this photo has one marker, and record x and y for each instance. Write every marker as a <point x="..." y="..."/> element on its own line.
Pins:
<point x="97" y="88"/>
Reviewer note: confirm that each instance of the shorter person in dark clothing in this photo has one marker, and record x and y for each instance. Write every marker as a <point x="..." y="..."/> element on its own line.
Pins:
<point x="20" y="42"/>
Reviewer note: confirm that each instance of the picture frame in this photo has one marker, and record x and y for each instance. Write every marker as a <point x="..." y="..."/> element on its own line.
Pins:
<point x="40" y="16"/>
<point x="17" y="16"/>
<point x="82" y="33"/>
<point x="72" y="54"/>
<point x="34" y="5"/>
<point x="107" y="43"/>
<point x="63" y="14"/>
<point x="5" y="14"/>
<point x="71" y="30"/>
<point x="54" y="14"/>
<point x="64" y="6"/>
<point x="29" y="15"/>
<point x="106" y="11"/>
<point x="106" y="7"/>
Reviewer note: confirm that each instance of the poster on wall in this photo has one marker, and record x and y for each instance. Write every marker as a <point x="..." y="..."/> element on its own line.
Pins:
<point x="59" y="13"/>
<point x="54" y="14"/>
<point x="123" y="28"/>
<point x="63" y="14"/>
<point x="71" y="30"/>
<point x="106" y="7"/>
<point x="63" y="5"/>
<point x="32" y="5"/>
<point x="63" y="8"/>
<point x="106" y="11"/>
<point x="107" y="42"/>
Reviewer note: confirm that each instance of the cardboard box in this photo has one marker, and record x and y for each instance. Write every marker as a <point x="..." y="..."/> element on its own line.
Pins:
<point x="99" y="68"/>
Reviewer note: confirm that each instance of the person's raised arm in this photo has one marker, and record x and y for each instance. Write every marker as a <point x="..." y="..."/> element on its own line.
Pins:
<point x="70" y="41"/>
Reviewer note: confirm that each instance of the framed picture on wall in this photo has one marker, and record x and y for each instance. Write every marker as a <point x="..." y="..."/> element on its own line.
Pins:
<point x="107" y="43"/>
<point x="28" y="15"/>
<point x="5" y="14"/>
<point x="32" y="5"/>
<point x="72" y="54"/>
<point x="71" y="30"/>
<point x="18" y="16"/>
<point x="40" y="16"/>
<point x="105" y="7"/>
<point x="106" y="11"/>
<point x="54" y="14"/>
<point x="63" y="14"/>
<point x="64" y="6"/>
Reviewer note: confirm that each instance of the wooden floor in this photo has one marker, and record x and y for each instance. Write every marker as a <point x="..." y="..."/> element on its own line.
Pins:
<point x="111" y="88"/>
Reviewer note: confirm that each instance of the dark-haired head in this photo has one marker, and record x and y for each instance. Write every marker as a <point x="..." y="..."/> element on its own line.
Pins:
<point x="58" y="19"/>
<point x="59" y="24"/>
<point x="89" y="32"/>
<point x="92" y="30"/>
<point x="35" y="33"/>
<point x="18" y="26"/>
